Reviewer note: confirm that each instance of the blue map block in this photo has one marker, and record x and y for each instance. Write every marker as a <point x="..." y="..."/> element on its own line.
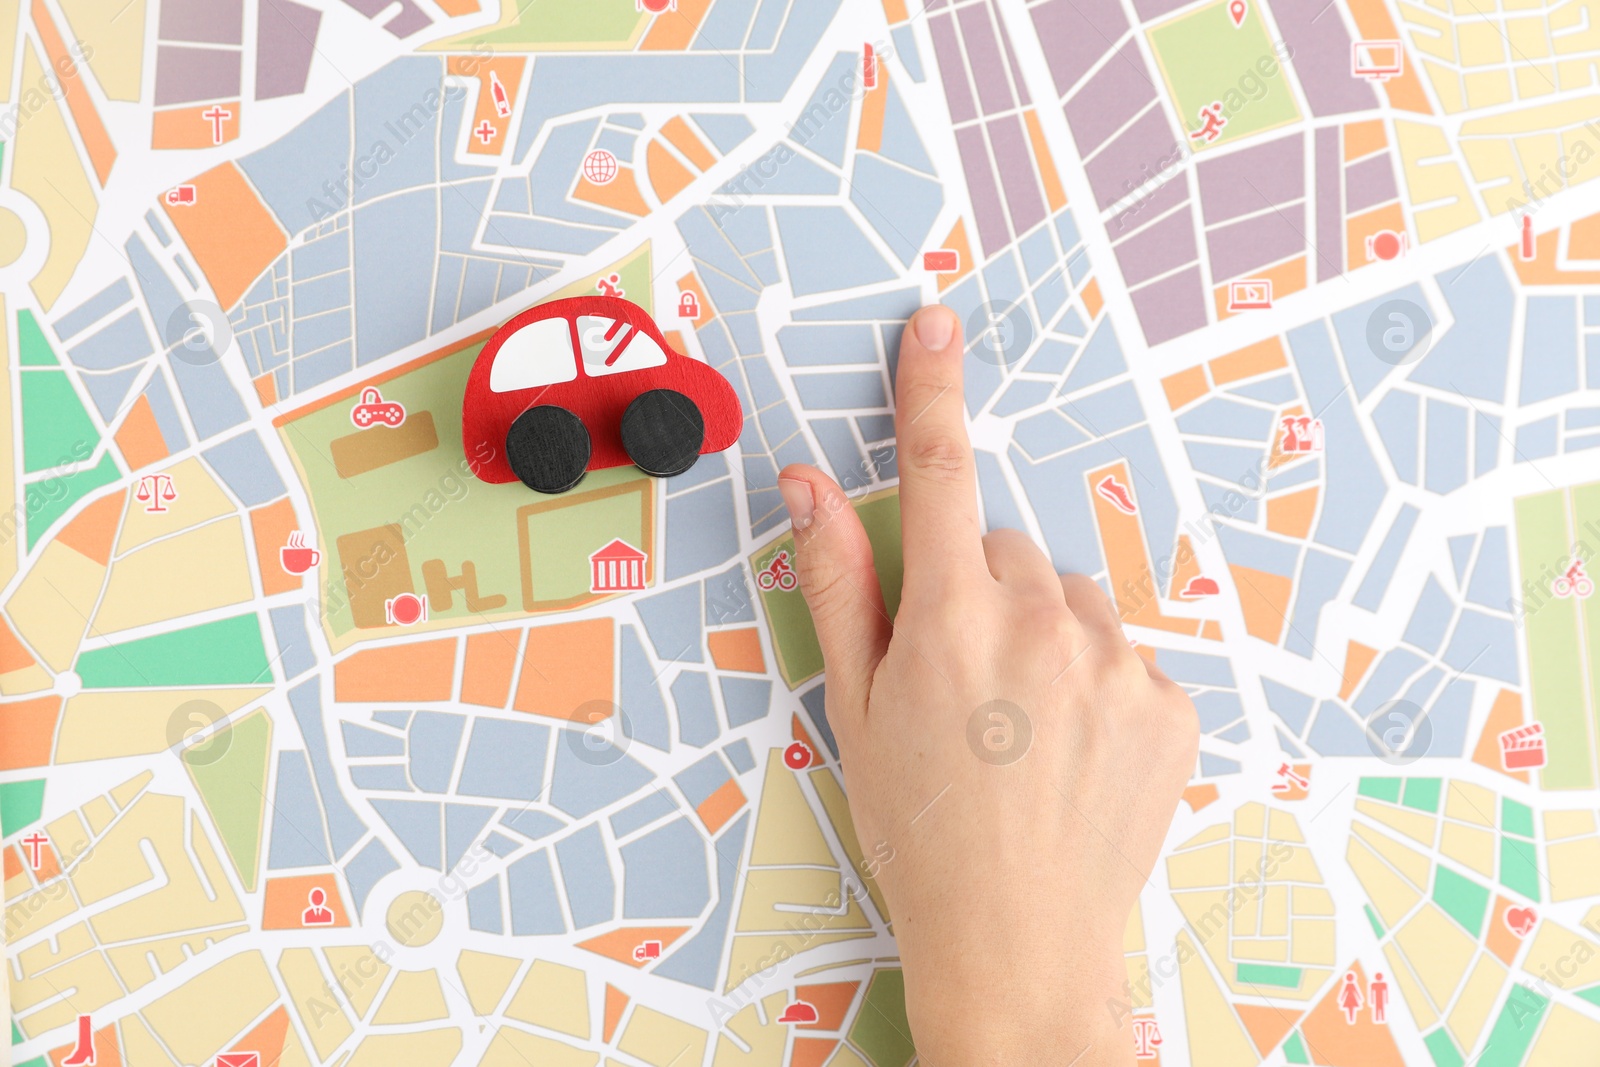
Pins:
<point x="505" y="760"/>
<point x="665" y="874"/>
<point x="531" y="886"/>
<point x="588" y="779"/>
<point x="366" y="869"/>
<point x="418" y="825"/>
<point x="697" y="715"/>
<point x="484" y="913"/>
<point x="435" y="737"/>
<point x="298" y="836"/>
<point x="586" y="873"/>
<point x="696" y="961"/>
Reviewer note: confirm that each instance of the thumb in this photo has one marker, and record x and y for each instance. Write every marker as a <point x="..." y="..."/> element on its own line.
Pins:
<point x="834" y="560"/>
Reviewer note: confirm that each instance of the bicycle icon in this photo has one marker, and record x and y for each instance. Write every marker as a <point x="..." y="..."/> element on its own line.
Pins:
<point x="778" y="574"/>
<point x="1573" y="583"/>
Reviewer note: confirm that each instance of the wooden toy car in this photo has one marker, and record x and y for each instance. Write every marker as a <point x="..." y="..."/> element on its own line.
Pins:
<point x="588" y="383"/>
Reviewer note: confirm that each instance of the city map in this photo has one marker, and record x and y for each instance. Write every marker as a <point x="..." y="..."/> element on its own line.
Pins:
<point x="1284" y="325"/>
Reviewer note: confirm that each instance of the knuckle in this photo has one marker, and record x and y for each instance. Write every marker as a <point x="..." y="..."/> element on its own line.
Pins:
<point x="1084" y="593"/>
<point x="1051" y="626"/>
<point x="821" y="585"/>
<point x="937" y="453"/>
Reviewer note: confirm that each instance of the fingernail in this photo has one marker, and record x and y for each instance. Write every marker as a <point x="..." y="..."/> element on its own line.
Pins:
<point x="797" y="498"/>
<point x="935" y="325"/>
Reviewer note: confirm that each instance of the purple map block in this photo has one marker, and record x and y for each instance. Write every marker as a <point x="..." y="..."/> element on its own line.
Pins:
<point x="1330" y="213"/>
<point x="1133" y="158"/>
<point x="1369" y="182"/>
<point x="1158" y="249"/>
<point x="988" y="65"/>
<point x="1111" y="99"/>
<point x="1171" y="307"/>
<point x="1241" y="247"/>
<point x="952" y="68"/>
<point x="1254" y="178"/>
<point x="185" y="75"/>
<point x="1016" y="173"/>
<point x="1320" y="47"/>
<point x="1150" y="204"/>
<point x="286" y="39"/>
<point x="993" y="233"/>
<point x="204" y="21"/>
<point x="1075" y="34"/>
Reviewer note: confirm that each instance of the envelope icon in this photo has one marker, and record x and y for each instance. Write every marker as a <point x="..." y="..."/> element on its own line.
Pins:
<point x="238" y="1059"/>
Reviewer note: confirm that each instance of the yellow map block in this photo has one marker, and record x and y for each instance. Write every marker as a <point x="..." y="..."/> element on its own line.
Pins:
<point x="554" y="997"/>
<point x="1438" y="949"/>
<point x="765" y="1044"/>
<point x="321" y="1013"/>
<point x="359" y="972"/>
<point x="184" y="903"/>
<point x="52" y="604"/>
<point x="517" y="1048"/>
<point x="1421" y="1010"/>
<point x="1472" y="1009"/>
<point x="145" y="586"/>
<point x="486" y="978"/>
<point x="1564" y="958"/>
<point x="1565" y="1039"/>
<point x="47" y="170"/>
<point x="1215" y="1037"/>
<point x="802" y="899"/>
<point x="661" y="1040"/>
<point x="1440" y="198"/>
<point x="428" y="1048"/>
<point x="1574" y="868"/>
<point x="113" y="36"/>
<point x="200" y="1017"/>
<point x="104" y="725"/>
<point x="786" y="827"/>
<point x="134" y="965"/>
<point x="85" y="984"/>
<point x="199" y="499"/>
<point x="1416" y="825"/>
<point x="413" y="997"/>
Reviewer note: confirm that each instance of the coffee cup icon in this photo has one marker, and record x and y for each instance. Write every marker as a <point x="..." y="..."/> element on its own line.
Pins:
<point x="297" y="557"/>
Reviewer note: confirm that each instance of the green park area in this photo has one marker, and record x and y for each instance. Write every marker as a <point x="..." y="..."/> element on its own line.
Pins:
<point x="528" y="27"/>
<point x="1561" y="634"/>
<point x="1206" y="59"/>
<point x="399" y="511"/>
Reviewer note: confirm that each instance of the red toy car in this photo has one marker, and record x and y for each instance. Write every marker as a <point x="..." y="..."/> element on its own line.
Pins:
<point x="588" y="383"/>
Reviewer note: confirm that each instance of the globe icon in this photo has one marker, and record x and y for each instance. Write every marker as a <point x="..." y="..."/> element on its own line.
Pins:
<point x="600" y="167"/>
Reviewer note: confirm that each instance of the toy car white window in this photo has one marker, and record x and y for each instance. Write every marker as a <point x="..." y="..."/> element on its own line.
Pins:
<point x="538" y="354"/>
<point x="611" y="346"/>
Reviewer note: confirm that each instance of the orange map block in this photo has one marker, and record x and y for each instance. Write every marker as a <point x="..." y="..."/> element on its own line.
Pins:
<point x="422" y="670"/>
<point x="621" y="945"/>
<point x="230" y="231"/>
<point x="1341" y="1044"/>
<point x="189" y="128"/>
<point x="288" y="902"/>
<point x="509" y="71"/>
<point x="565" y="668"/>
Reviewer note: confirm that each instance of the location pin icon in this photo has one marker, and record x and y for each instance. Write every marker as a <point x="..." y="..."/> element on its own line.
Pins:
<point x="1236" y="10"/>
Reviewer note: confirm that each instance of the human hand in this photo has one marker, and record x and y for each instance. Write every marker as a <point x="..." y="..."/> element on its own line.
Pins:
<point x="1021" y="760"/>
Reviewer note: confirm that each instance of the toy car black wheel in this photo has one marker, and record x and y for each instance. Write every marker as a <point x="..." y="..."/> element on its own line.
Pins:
<point x="548" y="448"/>
<point x="663" y="432"/>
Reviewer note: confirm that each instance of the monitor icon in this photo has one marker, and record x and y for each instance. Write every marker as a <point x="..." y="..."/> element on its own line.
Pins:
<point x="1377" y="60"/>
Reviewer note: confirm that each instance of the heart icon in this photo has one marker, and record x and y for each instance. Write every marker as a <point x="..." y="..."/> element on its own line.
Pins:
<point x="1520" y="921"/>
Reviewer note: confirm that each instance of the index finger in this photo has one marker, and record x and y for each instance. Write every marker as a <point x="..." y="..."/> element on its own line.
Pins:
<point x="938" y="483"/>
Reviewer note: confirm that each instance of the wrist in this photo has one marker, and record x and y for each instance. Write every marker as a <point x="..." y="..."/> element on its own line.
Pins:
<point x="1026" y="1015"/>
